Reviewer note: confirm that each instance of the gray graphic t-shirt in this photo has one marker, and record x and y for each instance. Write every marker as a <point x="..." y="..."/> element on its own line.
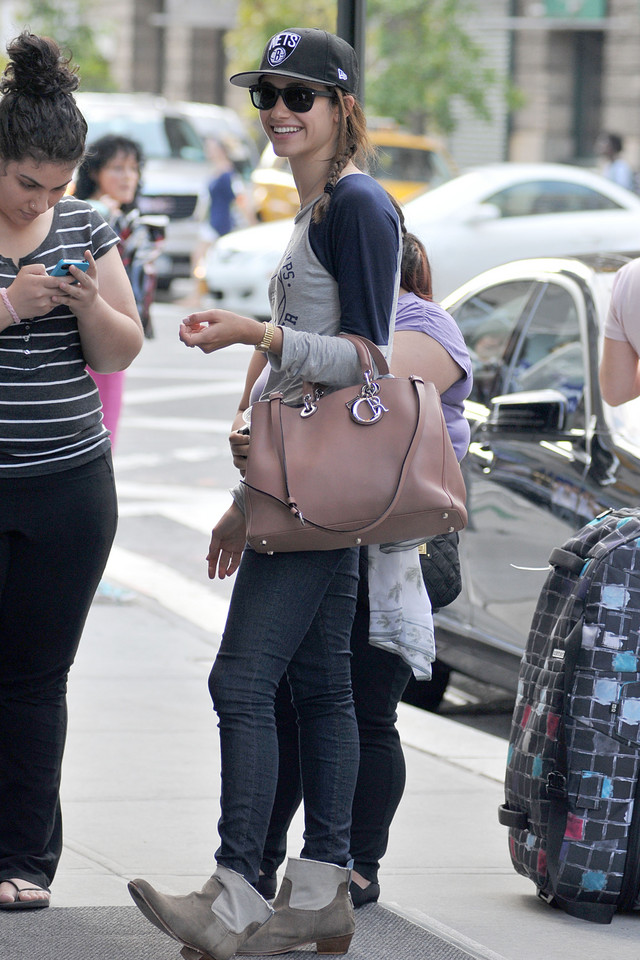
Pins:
<point x="338" y="276"/>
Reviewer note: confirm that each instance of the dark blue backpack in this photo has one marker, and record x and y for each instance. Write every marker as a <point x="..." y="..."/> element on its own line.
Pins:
<point x="574" y="752"/>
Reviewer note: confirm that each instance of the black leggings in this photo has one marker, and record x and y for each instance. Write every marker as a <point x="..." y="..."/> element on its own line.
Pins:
<point x="56" y="532"/>
<point x="378" y="679"/>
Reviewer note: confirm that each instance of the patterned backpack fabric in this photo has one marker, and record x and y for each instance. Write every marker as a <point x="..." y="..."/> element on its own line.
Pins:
<point x="574" y="751"/>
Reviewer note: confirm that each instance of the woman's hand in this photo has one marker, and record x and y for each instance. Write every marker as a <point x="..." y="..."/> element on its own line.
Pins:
<point x="33" y="293"/>
<point x="228" y="539"/>
<point x="108" y="323"/>
<point x="239" y="443"/>
<point x="80" y="293"/>
<point x="215" y="329"/>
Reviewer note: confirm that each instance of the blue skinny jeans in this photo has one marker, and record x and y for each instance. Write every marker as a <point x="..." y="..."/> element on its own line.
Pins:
<point x="289" y="612"/>
<point x="378" y="679"/>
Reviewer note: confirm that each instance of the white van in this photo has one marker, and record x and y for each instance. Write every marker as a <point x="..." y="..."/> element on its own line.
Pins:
<point x="175" y="173"/>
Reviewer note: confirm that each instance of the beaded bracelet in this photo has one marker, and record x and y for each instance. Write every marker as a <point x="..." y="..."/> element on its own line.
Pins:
<point x="5" y="299"/>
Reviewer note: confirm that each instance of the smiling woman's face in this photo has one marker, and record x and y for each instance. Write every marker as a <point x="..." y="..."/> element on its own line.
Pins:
<point x="296" y="135"/>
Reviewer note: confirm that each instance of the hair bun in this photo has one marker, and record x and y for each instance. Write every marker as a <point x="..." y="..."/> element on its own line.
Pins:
<point x="39" y="117"/>
<point x="37" y="68"/>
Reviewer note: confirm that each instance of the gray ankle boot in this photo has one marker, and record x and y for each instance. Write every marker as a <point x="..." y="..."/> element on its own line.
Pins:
<point x="312" y="906"/>
<point x="213" y="923"/>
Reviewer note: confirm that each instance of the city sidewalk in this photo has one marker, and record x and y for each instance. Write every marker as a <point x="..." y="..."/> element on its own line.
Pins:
<point x="140" y="798"/>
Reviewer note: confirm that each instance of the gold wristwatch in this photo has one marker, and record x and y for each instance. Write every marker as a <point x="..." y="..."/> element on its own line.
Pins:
<point x="265" y="343"/>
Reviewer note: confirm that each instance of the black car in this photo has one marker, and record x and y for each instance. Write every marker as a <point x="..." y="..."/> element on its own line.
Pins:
<point x="546" y="453"/>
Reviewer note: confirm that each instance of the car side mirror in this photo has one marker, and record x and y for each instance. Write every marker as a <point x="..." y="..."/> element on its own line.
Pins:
<point x="482" y="213"/>
<point x="534" y="411"/>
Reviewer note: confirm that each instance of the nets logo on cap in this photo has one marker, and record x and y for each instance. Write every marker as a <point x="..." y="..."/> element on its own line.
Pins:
<point x="281" y="47"/>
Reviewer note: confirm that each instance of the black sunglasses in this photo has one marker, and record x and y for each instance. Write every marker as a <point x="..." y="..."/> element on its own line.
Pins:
<point x="297" y="99"/>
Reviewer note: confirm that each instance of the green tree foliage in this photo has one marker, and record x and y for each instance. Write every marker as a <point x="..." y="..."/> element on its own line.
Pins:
<point x="260" y="19"/>
<point x="420" y="57"/>
<point x="71" y="24"/>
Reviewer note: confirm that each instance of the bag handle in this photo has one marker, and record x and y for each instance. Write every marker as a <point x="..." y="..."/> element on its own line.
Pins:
<point x="367" y="354"/>
<point x="278" y="432"/>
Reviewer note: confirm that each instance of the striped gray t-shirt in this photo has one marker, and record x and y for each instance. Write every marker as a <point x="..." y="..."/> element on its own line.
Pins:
<point x="50" y="410"/>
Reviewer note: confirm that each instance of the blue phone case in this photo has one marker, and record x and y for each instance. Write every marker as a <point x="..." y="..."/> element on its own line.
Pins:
<point x="61" y="268"/>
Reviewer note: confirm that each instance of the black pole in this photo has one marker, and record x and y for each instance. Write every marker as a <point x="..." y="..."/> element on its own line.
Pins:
<point x="351" y="24"/>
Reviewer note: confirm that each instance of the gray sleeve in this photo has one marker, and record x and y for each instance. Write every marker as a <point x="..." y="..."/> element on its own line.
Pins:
<point x="238" y="494"/>
<point x="317" y="359"/>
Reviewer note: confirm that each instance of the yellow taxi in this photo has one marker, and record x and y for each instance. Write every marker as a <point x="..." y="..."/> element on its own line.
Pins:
<point x="406" y="164"/>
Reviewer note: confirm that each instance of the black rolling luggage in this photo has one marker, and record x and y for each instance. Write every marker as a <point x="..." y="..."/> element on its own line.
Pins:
<point x="572" y="802"/>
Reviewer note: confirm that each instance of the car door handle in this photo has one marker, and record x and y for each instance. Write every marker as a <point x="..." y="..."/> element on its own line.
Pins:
<point x="482" y="451"/>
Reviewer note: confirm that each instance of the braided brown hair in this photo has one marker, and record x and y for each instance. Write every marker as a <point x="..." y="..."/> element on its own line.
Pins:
<point x="353" y="144"/>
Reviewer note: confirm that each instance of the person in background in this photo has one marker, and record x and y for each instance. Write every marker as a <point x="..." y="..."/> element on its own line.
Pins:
<point x="58" y="511"/>
<point x="620" y="363"/>
<point x="615" y="167"/>
<point x="109" y="178"/>
<point x="293" y="611"/>
<point x="223" y="190"/>
<point x="428" y="343"/>
<point x="230" y="206"/>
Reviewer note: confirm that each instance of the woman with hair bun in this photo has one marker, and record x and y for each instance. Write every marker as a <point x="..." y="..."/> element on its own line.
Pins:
<point x="58" y="510"/>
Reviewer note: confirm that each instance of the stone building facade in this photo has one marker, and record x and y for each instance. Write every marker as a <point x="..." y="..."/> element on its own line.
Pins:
<point x="577" y="66"/>
<point x="576" y="62"/>
<point x="172" y="49"/>
<point x="580" y="74"/>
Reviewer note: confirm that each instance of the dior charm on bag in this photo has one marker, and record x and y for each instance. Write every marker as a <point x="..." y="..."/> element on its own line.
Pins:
<point x="359" y="465"/>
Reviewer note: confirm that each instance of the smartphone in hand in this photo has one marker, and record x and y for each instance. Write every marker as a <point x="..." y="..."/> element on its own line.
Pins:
<point x="61" y="268"/>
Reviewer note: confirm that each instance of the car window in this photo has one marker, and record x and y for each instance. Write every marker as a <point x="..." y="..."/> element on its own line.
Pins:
<point x="396" y="163"/>
<point x="160" y="137"/>
<point x="278" y="163"/>
<point x="408" y="163"/>
<point x="536" y="197"/>
<point x="549" y="354"/>
<point x="487" y="320"/>
<point x="183" y="140"/>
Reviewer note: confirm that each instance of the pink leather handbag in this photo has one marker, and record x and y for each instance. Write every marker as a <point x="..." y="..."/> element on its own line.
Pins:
<point x="360" y="465"/>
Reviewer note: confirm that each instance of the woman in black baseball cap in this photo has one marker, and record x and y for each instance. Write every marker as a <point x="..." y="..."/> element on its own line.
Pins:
<point x="292" y="612"/>
<point x="306" y="54"/>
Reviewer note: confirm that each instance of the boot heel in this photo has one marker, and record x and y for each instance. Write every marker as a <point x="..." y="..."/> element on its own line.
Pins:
<point x="336" y="945"/>
<point x="190" y="954"/>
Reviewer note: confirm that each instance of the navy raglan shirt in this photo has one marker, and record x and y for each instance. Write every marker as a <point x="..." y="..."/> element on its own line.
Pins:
<point x="360" y="212"/>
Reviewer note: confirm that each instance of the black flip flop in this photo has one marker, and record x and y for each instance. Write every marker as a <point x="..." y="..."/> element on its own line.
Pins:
<point x="18" y="904"/>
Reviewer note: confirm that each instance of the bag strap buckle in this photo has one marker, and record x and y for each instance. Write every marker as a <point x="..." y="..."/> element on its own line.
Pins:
<point x="557" y="785"/>
<point x="309" y="407"/>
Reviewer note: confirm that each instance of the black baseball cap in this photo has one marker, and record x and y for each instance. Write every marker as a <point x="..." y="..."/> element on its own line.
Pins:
<point x="306" y="54"/>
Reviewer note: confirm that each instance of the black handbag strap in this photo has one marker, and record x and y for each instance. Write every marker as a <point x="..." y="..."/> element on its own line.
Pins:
<point x="276" y="405"/>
